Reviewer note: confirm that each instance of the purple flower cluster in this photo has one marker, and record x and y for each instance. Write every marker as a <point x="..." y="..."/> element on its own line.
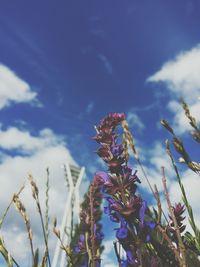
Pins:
<point x="178" y="210"/>
<point x="119" y="187"/>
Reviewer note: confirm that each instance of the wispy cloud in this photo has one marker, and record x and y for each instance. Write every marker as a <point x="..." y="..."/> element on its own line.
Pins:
<point x="107" y="64"/>
<point x="181" y="78"/>
<point x="135" y="121"/>
<point x="14" y="89"/>
<point x="90" y="107"/>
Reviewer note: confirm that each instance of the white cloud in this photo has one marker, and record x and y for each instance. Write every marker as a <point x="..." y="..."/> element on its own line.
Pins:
<point x="14" y="138"/>
<point x="134" y="121"/>
<point x="182" y="79"/>
<point x="14" y="89"/>
<point x="108" y="256"/>
<point x="181" y="74"/>
<point x="44" y="150"/>
<point x="109" y="264"/>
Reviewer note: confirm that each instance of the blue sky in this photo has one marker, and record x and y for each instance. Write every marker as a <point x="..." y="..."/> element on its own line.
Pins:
<point x="64" y="65"/>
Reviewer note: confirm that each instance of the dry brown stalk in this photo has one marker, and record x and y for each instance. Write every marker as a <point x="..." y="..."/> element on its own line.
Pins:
<point x="182" y="258"/>
<point x="129" y="138"/>
<point x="8" y="258"/>
<point x="192" y="120"/>
<point x="8" y="207"/>
<point x="22" y="211"/>
<point x="44" y="259"/>
<point x="167" y="126"/>
<point x="125" y="145"/>
<point x="178" y="144"/>
<point x="66" y="248"/>
<point x="158" y="204"/>
<point x="170" y="243"/>
<point x="91" y="193"/>
<point x="35" y="194"/>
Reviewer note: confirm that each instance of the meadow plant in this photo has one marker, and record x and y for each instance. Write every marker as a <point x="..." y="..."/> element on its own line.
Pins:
<point x="140" y="231"/>
<point x="88" y="234"/>
<point x="145" y="237"/>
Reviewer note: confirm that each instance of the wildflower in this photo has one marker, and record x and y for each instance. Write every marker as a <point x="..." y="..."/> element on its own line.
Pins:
<point x="81" y="244"/>
<point x="110" y="122"/>
<point x="105" y="153"/>
<point x="178" y="212"/>
<point x="105" y="130"/>
<point x="108" y="183"/>
<point x="130" y="258"/>
<point x="144" y="227"/>
<point x="119" y="188"/>
<point x="131" y="209"/>
<point x="105" y="138"/>
<point x="129" y="179"/>
<point x="122" y="232"/>
<point x="116" y="150"/>
<point x="89" y="243"/>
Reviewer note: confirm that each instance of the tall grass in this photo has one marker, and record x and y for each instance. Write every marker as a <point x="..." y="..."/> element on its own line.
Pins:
<point x="149" y="237"/>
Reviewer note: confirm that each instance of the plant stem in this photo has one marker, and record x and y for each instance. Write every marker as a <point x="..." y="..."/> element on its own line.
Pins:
<point x="178" y="234"/>
<point x="92" y="226"/>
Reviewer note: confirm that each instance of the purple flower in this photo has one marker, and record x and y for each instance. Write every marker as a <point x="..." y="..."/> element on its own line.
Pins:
<point x="123" y="263"/>
<point x="105" y="153"/>
<point x="116" y="150"/>
<point x="77" y="249"/>
<point x="98" y="235"/>
<point x="81" y="244"/>
<point x="142" y="212"/>
<point x="130" y="258"/>
<point x="122" y="232"/>
<point x="114" y="216"/>
<point x="102" y="177"/>
<point x="128" y="211"/>
<point x="119" y="185"/>
<point x="111" y="121"/>
<point x="109" y="183"/>
<point x="115" y="164"/>
<point x="150" y="224"/>
<point x="129" y="179"/>
<point x="130" y="261"/>
<point x="105" y="138"/>
<point x="105" y="134"/>
<point x="144" y="230"/>
<point x="178" y="212"/>
<point x="131" y="209"/>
